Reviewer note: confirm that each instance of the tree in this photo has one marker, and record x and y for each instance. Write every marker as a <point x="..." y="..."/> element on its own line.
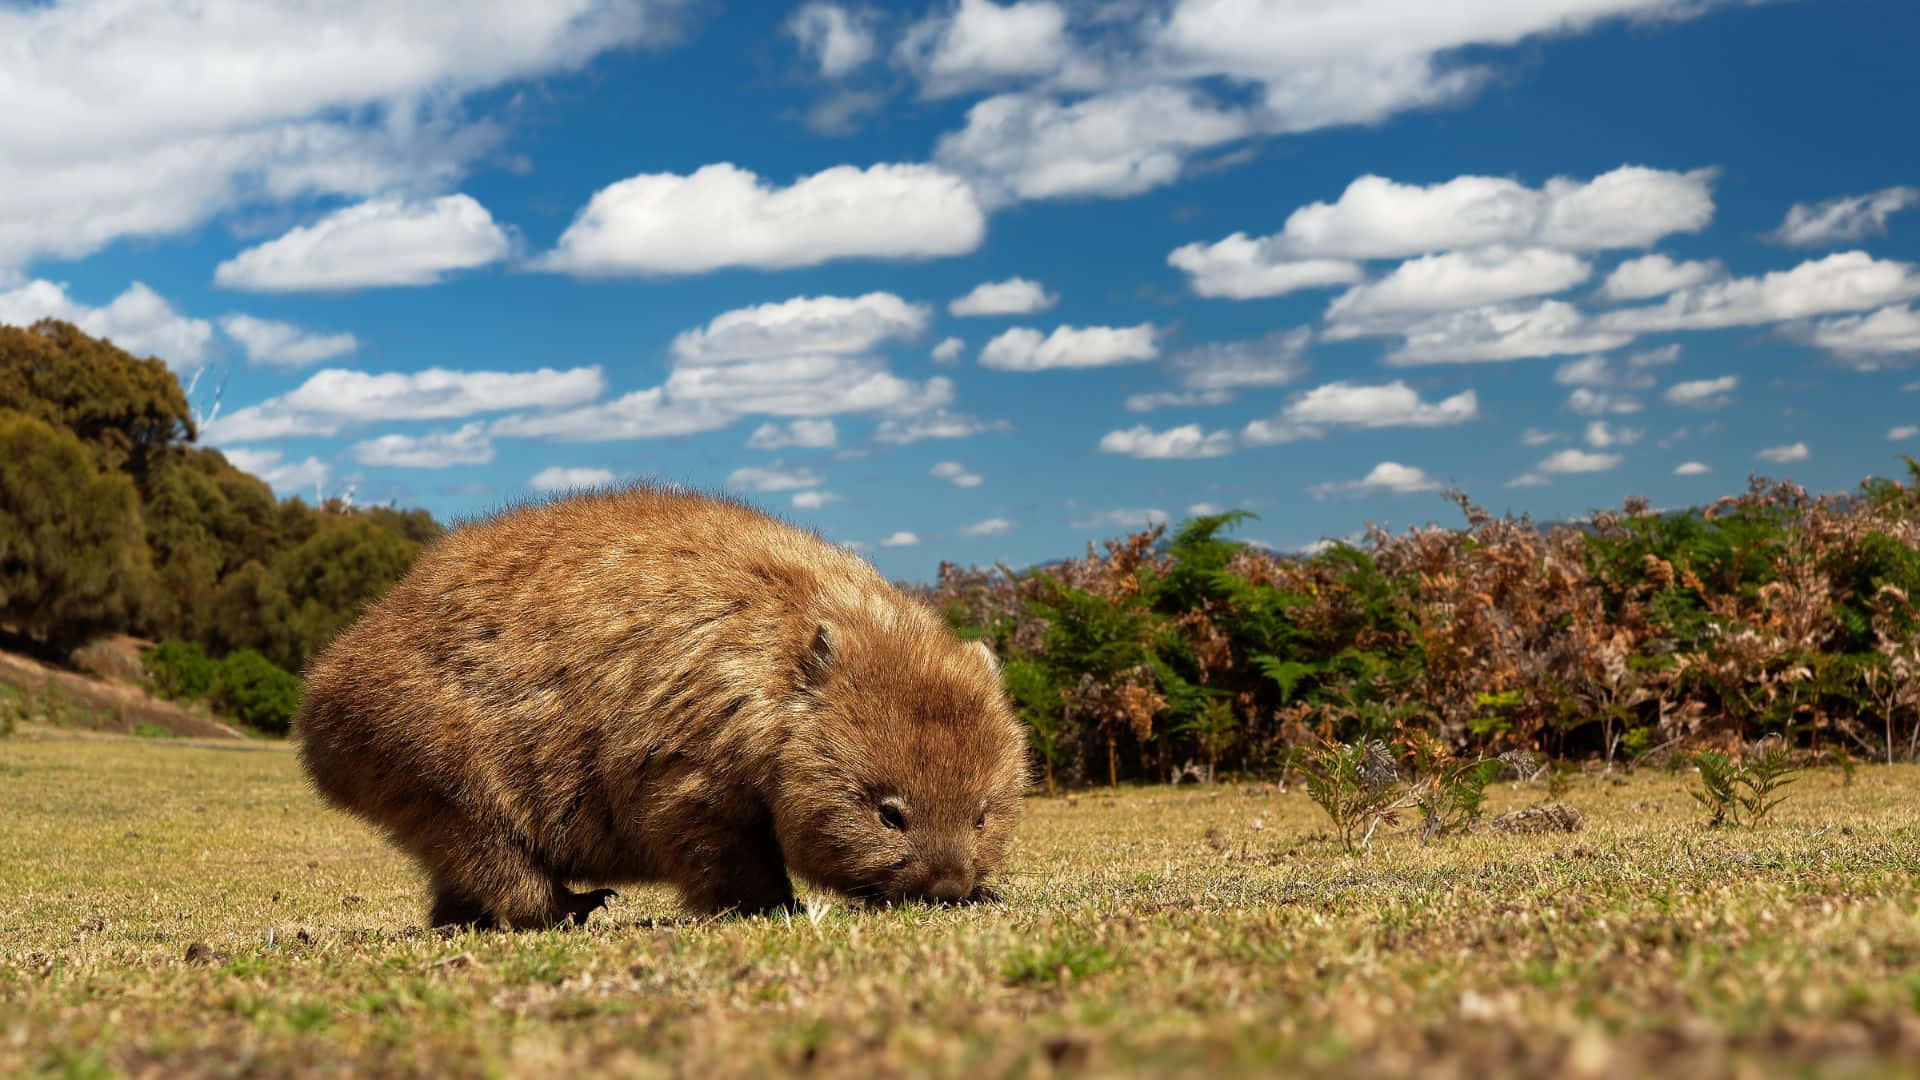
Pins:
<point x="73" y="554"/>
<point x="346" y="563"/>
<point x="125" y="409"/>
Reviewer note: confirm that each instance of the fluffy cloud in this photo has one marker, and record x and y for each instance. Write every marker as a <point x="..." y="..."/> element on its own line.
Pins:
<point x="1868" y="340"/>
<point x="287" y="101"/>
<point x="1783" y="455"/>
<point x="284" y="345"/>
<point x="1578" y="461"/>
<point x="139" y="320"/>
<point x="1209" y="374"/>
<point x="466" y="445"/>
<point x="1024" y="349"/>
<point x="1603" y="372"/>
<point x="948" y="351"/>
<point x="1843" y="220"/>
<point x="1535" y="437"/>
<point x="934" y="424"/>
<point x="558" y="478"/>
<point x="814" y="500"/>
<point x="335" y="398"/>
<point x="1014" y="296"/>
<point x="995" y="526"/>
<point x="1590" y="402"/>
<point x="382" y="242"/>
<point x="721" y="215"/>
<point x="1703" y="393"/>
<point x="811" y="434"/>
<point x="1692" y="468"/>
<point x="1378" y="218"/>
<point x="1657" y="275"/>
<point x="1450" y="282"/>
<point x="1600" y="436"/>
<point x="1503" y="332"/>
<point x="1847" y="281"/>
<point x="1186" y="441"/>
<point x="980" y="43"/>
<point x="1238" y="268"/>
<point x="1360" y="405"/>
<point x="642" y="414"/>
<point x="838" y="40"/>
<point x="776" y="477"/>
<point x="1388" y="477"/>
<point x="956" y="474"/>
<point x="286" y="477"/>
<point x="1024" y="146"/>
<point x="902" y="538"/>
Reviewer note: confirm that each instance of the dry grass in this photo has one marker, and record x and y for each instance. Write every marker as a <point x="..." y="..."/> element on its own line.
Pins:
<point x="176" y="908"/>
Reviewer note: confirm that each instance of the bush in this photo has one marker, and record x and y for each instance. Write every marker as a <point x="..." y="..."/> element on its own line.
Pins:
<point x="250" y="689"/>
<point x="179" y="671"/>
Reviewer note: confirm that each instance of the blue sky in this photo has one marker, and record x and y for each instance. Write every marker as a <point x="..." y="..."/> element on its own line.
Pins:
<point x="982" y="282"/>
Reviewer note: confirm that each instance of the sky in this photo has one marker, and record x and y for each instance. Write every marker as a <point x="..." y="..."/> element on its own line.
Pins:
<point x="984" y="282"/>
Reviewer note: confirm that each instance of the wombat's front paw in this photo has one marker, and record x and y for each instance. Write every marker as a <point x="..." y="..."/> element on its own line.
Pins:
<point x="983" y="894"/>
<point x="581" y="905"/>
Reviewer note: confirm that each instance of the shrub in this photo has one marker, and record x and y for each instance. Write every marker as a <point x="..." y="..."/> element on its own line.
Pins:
<point x="250" y="689"/>
<point x="179" y="671"/>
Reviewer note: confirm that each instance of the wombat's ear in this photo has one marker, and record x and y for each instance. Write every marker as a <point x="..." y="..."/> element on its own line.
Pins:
<point x="817" y="659"/>
<point x="986" y="651"/>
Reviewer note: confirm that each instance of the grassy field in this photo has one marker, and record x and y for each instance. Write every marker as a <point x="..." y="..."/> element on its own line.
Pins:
<point x="180" y="908"/>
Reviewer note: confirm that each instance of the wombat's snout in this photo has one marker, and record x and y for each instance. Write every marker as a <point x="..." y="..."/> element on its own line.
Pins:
<point x="948" y="887"/>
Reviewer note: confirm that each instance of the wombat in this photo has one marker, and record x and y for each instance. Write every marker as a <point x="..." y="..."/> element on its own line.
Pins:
<point x="650" y="684"/>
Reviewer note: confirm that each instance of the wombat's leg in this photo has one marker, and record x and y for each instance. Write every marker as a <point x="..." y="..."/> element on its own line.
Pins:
<point x="453" y="907"/>
<point x="579" y="905"/>
<point x="734" y="870"/>
<point x="476" y="862"/>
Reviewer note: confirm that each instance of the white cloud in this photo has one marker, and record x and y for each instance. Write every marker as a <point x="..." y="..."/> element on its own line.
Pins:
<point x="815" y="500"/>
<point x="1703" y="393"/>
<point x="1503" y="332"/>
<point x="1590" y="402"/>
<point x="776" y="477"/>
<point x="801" y="326"/>
<point x="947" y="353"/>
<point x="902" y="538"/>
<point x="1845" y="219"/>
<point x="1204" y="509"/>
<point x="1176" y="399"/>
<point x="1657" y="275"/>
<point x="1186" y="441"/>
<point x="1842" y="282"/>
<point x="558" y="478"/>
<point x="1377" y="218"/>
<point x="1238" y="268"/>
<point x="721" y="215"/>
<point x="382" y="242"/>
<point x="843" y="111"/>
<point x="285" y="102"/>
<point x="1692" y="468"/>
<point x="1600" y="371"/>
<point x="1578" y="461"/>
<point x="1450" y="282"/>
<point x="641" y="414"/>
<point x="934" y="424"/>
<point x="1600" y="436"/>
<point x="980" y="43"/>
<point x="1024" y="146"/>
<point x="1126" y="518"/>
<point x="1865" y="340"/>
<point x="1781" y="455"/>
<point x="1535" y="437"/>
<point x="838" y="40"/>
<point x="1528" y="480"/>
<point x="1388" y="477"/>
<point x="335" y="398"/>
<point x="284" y="345"/>
<point x="811" y="434"/>
<point x="285" y="477"/>
<point x="139" y="320"/>
<point x="466" y="445"/>
<point x="1024" y="349"/>
<point x="1360" y="405"/>
<point x="956" y="474"/>
<point x="1903" y="431"/>
<point x="1209" y="374"/>
<point x="994" y="526"/>
<point x="1014" y="296"/>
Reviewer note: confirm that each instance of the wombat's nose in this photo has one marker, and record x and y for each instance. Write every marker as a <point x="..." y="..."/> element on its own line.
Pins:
<point x="947" y="889"/>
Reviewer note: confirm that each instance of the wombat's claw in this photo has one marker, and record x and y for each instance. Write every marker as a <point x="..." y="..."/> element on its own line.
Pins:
<point x="983" y="894"/>
<point x="581" y="905"/>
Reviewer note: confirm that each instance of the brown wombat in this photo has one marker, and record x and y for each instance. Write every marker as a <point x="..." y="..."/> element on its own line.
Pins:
<point x="655" y="685"/>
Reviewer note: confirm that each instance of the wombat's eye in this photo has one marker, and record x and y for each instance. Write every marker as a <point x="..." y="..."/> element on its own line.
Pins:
<point x="893" y="816"/>
<point x="981" y="821"/>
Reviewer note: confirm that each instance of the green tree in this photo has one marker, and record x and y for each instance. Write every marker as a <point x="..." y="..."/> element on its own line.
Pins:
<point x="125" y="409"/>
<point x="329" y="578"/>
<point x="73" y="557"/>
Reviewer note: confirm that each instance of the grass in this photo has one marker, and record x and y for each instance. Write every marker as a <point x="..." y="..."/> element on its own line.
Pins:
<point x="177" y="907"/>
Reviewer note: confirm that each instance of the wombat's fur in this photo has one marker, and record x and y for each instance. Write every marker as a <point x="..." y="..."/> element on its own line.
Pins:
<point x="651" y="685"/>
